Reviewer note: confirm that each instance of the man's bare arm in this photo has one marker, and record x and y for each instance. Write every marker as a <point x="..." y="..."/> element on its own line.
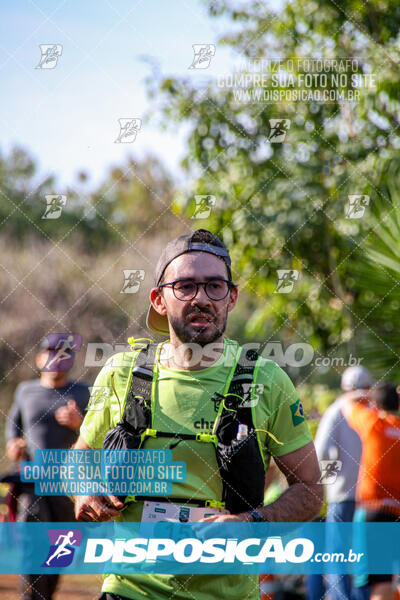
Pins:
<point x="95" y="508"/>
<point x="303" y="499"/>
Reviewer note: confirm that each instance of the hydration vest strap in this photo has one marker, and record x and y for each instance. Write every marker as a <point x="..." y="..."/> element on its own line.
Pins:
<point x="142" y="382"/>
<point x="243" y="374"/>
<point x="233" y="399"/>
<point x="144" y="365"/>
<point x="198" y="437"/>
<point x="148" y="433"/>
<point x="140" y="387"/>
<point x="214" y="504"/>
<point x="207" y="437"/>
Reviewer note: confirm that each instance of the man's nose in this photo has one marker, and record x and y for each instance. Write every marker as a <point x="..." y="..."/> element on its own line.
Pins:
<point x="201" y="296"/>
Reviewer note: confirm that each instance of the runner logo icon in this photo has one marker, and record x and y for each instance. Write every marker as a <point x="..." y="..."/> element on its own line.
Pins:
<point x="286" y="280"/>
<point x="279" y="129"/>
<point x="203" y="54"/>
<point x="62" y="547"/>
<point x="50" y="54"/>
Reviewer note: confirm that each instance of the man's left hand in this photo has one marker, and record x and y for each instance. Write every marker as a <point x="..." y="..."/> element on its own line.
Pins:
<point x="69" y="415"/>
<point x="225" y="519"/>
<point x="208" y="527"/>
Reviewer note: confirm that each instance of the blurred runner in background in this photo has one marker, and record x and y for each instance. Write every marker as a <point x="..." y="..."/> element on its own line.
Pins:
<point x="46" y="413"/>
<point x="378" y="487"/>
<point x="338" y="448"/>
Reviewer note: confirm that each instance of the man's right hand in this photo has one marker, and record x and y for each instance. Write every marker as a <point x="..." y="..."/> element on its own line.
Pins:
<point x="97" y="508"/>
<point x="16" y="449"/>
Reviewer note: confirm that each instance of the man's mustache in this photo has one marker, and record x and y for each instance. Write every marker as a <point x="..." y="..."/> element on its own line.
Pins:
<point x="200" y="312"/>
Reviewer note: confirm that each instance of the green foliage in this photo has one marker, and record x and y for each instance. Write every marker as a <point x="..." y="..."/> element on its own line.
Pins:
<point x="283" y="205"/>
<point x="130" y="200"/>
<point x="316" y="398"/>
<point x="378" y="281"/>
<point x="66" y="274"/>
<point x="278" y="206"/>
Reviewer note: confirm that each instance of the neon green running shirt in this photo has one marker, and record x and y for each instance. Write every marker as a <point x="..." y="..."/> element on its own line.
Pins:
<point x="182" y="404"/>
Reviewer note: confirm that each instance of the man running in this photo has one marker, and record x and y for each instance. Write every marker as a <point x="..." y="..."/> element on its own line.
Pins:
<point x="193" y="295"/>
<point x="46" y="413"/>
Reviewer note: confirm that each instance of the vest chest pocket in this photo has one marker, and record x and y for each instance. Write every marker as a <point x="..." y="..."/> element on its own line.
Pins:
<point x="243" y="474"/>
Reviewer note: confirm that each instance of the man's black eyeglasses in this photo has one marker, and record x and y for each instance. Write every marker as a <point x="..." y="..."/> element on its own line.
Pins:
<point x="186" y="290"/>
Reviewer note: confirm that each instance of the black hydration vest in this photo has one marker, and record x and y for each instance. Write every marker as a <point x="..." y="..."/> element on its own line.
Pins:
<point x="241" y="465"/>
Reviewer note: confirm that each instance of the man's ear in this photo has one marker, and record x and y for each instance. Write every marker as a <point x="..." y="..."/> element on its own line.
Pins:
<point x="41" y="359"/>
<point x="233" y="296"/>
<point x="158" y="301"/>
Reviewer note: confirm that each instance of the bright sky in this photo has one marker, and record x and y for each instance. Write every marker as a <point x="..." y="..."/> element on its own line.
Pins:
<point x="67" y="117"/>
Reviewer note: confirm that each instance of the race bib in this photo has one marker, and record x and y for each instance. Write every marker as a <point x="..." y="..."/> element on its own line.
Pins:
<point x="177" y="513"/>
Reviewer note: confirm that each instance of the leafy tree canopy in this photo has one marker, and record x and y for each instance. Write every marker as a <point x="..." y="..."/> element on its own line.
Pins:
<point x="285" y="205"/>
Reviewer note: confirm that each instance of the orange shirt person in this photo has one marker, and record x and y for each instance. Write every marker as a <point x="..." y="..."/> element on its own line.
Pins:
<point x="378" y="425"/>
<point x="378" y="485"/>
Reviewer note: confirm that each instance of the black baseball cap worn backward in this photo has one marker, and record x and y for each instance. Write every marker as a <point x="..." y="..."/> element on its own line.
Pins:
<point x="180" y="245"/>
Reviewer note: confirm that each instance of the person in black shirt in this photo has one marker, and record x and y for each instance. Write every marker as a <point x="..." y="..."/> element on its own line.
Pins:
<point x="46" y="413"/>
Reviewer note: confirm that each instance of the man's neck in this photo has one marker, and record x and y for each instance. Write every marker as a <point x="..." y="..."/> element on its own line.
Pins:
<point x="51" y="383"/>
<point x="175" y="356"/>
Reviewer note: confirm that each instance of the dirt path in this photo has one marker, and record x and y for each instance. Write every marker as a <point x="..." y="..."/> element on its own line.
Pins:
<point x="71" y="587"/>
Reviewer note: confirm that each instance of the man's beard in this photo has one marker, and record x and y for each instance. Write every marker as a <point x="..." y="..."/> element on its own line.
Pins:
<point x="205" y="336"/>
